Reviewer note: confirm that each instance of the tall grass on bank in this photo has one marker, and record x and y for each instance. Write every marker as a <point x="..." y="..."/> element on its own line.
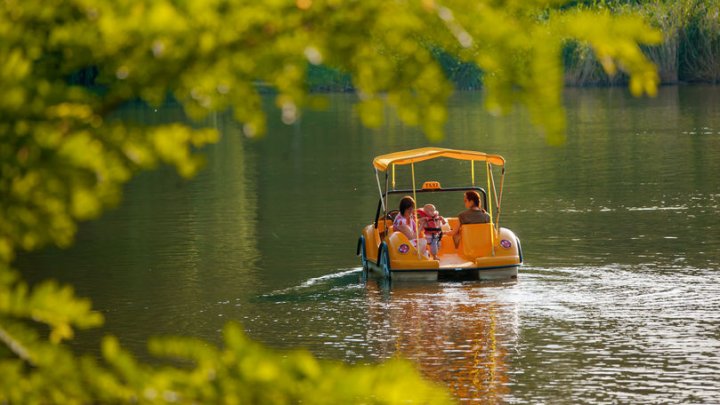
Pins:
<point x="690" y="51"/>
<point x="583" y="69"/>
<point x="700" y="45"/>
<point x="322" y="78"/>
<point x="464" y="75"/>
<point x="665" y="56"/>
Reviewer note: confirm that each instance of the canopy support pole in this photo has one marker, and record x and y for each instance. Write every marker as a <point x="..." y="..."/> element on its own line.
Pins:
<point x="487" y="167"/>
<point x="393" y="176"/>
<point x="386" y="231"/>
<point x="495" y="195"/>
<point x="382" y="201"/>
<point x="502" y="181"/>
<point x="492" y="235"/>
<point x="417" y="228"/>
<point x="472" y="172"/>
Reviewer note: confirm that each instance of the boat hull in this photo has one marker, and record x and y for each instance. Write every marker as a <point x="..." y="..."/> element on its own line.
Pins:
<point x="483" y="253"/>
<point x="462" y="274"/>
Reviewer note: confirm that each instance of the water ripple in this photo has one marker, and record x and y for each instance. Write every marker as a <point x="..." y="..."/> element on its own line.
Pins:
<point x="614" y="333"/>
<point x="619" y="334"/>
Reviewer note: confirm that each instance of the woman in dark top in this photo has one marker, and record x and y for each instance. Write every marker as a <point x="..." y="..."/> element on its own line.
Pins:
<point x="474" y="213"/>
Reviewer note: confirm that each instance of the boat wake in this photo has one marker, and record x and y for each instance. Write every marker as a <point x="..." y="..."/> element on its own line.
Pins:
<point x="334" y="279"/>
<point x="327" y="277"/>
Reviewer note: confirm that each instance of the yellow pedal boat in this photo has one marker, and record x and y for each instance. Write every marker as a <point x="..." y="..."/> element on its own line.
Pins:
<point x="485" y="251"/>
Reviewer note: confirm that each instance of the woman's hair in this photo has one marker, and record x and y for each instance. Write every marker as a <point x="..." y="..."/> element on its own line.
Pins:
<point x="474" y="197"/>
<point x="405" y="203"/>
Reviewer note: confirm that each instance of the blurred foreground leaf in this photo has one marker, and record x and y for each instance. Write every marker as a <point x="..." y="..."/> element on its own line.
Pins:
<point x="64" y="157"/>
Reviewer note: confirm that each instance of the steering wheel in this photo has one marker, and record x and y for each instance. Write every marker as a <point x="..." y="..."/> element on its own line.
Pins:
<point x="392" y="214"/>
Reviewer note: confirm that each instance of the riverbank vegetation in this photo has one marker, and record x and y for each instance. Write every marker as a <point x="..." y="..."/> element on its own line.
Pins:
<point x="689" y="52"/>
<point x="64" y="156"/>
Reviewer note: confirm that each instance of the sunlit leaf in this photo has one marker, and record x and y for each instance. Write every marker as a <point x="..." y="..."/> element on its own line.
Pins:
<point x="68" y="67"/>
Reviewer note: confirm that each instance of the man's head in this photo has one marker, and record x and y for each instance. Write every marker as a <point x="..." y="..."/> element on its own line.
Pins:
<point x="472" y="199"/>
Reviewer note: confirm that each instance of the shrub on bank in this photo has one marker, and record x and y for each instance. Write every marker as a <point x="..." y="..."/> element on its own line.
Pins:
<point x="690" y="51"/>
<point x="699" y="48"/>
<point x="65" y="157"/>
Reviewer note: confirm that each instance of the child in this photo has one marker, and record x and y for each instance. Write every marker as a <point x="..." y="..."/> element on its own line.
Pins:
<point x="432" y="223"/>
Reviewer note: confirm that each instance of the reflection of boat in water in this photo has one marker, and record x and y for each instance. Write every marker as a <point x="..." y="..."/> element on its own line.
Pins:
<point x="485" y="250"/>
<point x="456" y="334"/>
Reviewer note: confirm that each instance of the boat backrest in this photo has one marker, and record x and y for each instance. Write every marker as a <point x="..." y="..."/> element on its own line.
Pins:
<point x="476" y="240"/>
<point x="395" y="240"/>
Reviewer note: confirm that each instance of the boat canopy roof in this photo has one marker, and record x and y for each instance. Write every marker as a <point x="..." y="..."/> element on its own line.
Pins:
<point x="407" y="157"/>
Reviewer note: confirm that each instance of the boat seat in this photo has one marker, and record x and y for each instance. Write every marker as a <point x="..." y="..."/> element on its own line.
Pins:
<point x="476" y="240"/>
<point x="447" y="246"/>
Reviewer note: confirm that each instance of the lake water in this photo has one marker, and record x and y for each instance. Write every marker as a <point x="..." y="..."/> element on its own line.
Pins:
<point x="618" y="300"/>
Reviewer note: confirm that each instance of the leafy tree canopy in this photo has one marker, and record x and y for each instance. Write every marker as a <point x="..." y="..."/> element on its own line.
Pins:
<point x="63" y="158"/>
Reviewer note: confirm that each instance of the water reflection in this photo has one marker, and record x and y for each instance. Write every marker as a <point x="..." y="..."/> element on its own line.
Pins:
<point x="174" y="252"/>
<point x="457" y="334"/>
